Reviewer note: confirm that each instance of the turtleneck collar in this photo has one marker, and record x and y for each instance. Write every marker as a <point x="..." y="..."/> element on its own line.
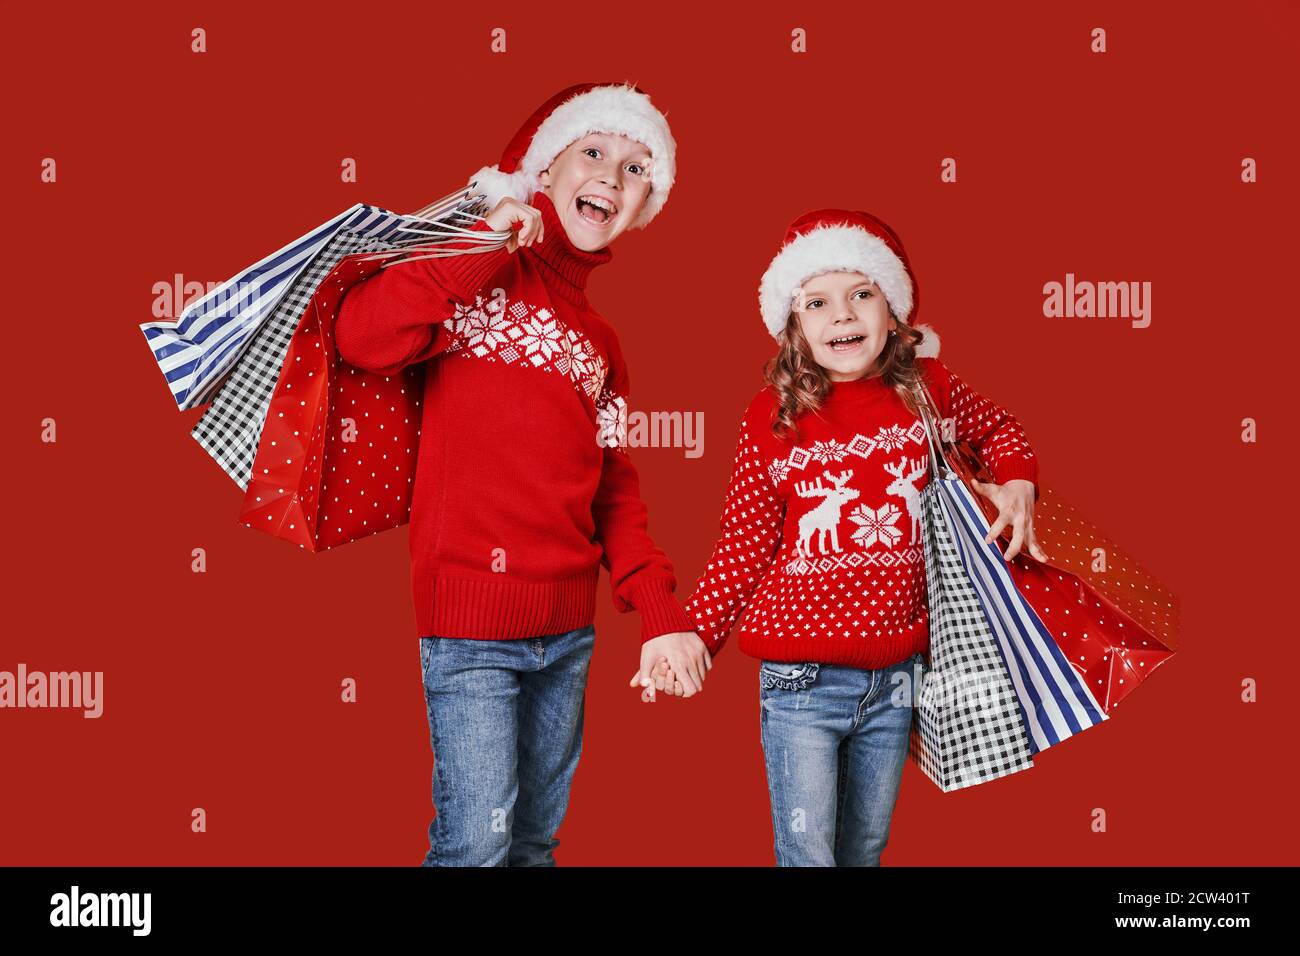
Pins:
<point x="565" y="262"/>
<point x="855" y="390"/>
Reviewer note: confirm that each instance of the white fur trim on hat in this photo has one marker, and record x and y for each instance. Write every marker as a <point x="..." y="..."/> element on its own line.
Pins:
<point x="929" y="347"/>
<point x="496" y="185"/>
<point x="609" y="109"/>
<point x="837" y="248"/>
<point x="619" y="110"/>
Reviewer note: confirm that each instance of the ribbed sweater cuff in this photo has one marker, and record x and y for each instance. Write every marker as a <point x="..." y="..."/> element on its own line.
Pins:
<point x="659" y="610"/>
<point x="468" y="272"/>
<point x="1010" y="468"/>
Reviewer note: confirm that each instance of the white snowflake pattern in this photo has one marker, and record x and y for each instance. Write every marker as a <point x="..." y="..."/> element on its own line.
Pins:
<point x="480" y="328"/>
<point x="494" y="331"/>
<point x="541" y="337"/>
<point x="876" y="524"/>
<point x="611" y="421"/>
<point x="823" y="452"/>
<point x="594" y="381"/>
<point x="579" y="355"/>
<point x="891" y="438"/>
<point x="778" y="469"/>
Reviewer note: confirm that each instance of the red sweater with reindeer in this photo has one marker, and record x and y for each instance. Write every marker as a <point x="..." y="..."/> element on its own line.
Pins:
<point x="523" y="484"/>
<point x="821" y="545"/>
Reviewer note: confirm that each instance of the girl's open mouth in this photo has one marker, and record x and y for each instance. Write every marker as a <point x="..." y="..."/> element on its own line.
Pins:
<point x="846" y="343"/>
<point x="596" y="210"/>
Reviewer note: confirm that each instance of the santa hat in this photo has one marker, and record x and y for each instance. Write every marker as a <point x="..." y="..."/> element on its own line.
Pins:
<point x="569" y="115"/>
<point x="840" y="240"/>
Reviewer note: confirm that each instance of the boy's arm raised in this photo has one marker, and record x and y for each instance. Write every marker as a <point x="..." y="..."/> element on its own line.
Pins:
<point x="392" y="319"/>
<point x="752" y="519"/>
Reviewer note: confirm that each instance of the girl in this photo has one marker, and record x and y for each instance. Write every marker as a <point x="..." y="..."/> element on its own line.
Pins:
<point x="821" y="540"/>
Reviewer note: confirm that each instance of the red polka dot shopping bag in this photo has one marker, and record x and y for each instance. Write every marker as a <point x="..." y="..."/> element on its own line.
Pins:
<point x="1113" y="620"/>
<point x="336" y="459"/>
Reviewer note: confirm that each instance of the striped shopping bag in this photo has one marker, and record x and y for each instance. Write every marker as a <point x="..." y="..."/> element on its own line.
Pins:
<point x="232" y="425"/>
<point x="967" y="724"/>
<point x="197" y="350"/>
<point x="1054" y="701"/>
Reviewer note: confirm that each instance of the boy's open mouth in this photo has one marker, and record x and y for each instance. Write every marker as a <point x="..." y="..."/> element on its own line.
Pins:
<point x="596" y="210"/>
<point x="845" y="343"/>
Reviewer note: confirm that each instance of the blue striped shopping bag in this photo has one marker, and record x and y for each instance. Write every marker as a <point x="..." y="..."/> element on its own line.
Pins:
<point x="196" y="351"/>
<point x="1055" y="703"/>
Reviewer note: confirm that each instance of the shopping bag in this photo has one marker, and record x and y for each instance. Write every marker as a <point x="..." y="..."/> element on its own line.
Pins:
<point x="1113" y="650"/>
<point x="967" y="725"/>
<point x="1054" y="700"/>
<point x="336" y="459"/>
<point x="1112" y="619"/>
<point x="197" y="351"/>
<point x="338" y="448"/>
<point x="231" y="426"/>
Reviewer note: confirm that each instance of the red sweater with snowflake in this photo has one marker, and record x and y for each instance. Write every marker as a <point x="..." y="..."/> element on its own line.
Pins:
<point x="821" y="544"/>
<point x="523" y="485"/>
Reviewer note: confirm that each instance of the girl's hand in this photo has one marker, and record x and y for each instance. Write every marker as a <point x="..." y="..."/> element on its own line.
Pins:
<point x="663" y="680"/>
<point x="688" y="658"/>
<point x="510" y="211"/>
<point x="1015" y="502"/>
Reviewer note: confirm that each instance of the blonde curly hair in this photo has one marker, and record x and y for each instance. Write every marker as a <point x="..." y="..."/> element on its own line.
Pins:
<point x="801" y="384"/>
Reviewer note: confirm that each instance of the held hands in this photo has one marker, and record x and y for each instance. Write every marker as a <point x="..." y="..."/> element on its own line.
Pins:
<point x="665" y="680"/>
<point x="1015" y="502"/>
<point x="676" y="663"/>
<point x="510" y="211"/>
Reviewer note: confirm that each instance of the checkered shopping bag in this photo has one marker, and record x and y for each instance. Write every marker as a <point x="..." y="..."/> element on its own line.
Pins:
<point x="230" y="428"/>
<point x="967" y="724"/>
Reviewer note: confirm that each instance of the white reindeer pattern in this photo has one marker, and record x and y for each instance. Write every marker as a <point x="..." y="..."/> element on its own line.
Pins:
<point x="904" y="485"/>
<point x="825" y="518"/>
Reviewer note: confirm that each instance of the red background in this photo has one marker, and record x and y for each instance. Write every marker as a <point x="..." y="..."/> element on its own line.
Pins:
<point x="222" y="689"/>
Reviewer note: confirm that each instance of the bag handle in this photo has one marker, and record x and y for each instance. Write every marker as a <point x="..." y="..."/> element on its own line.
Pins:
<point x="429" y="230"/>
<point x="940" y="464"/>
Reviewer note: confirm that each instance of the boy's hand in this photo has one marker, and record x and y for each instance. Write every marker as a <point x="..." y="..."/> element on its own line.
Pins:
<point x="688" y="660"/>
<point x="510" y="211"/>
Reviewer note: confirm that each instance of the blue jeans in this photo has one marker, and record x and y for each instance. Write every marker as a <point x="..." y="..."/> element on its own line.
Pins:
<point x="835" y="740"/>
<point x="505" y="724"/>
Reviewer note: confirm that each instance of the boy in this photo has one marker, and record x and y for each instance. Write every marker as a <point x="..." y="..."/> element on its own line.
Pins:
<point x="523" y="487"/>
